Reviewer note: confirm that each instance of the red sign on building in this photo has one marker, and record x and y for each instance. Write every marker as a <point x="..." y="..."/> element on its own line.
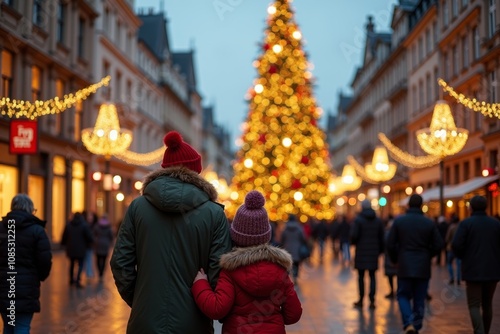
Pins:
<point x="23" y="137"/>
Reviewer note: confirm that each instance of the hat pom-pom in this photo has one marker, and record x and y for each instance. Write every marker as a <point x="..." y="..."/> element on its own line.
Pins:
<point x="172" y="139"/>
<point x="254" y="200"/>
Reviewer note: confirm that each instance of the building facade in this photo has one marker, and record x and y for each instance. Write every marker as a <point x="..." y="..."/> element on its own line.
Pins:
<point x="450" y="39"/>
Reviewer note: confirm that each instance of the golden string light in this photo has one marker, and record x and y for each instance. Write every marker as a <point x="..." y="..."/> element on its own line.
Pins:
<point x="487" y="109"/>
<point x="406" y="158"/>
<point x="32" y="110"/>
<point x="142" y="159"/>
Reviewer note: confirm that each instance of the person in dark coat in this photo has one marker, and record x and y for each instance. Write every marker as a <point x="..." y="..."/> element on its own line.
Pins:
<point x="103" y="237"/>
<point x="390" y="269"/>
<point x="25" y="261"/>
<point x="442" y="226"/>
<point x="77" y="238"/>
<point x="334" y="237"/>
<point x="477" y="243"/>
<point x="412" y="243"/>
<point x="292" y="238"/>
<point x="168" y="233"/>
<point x="320" y="233"/>
<point x="344" y="235"/>
<point x="367" y="234"/>
<point x="252" y="275"/>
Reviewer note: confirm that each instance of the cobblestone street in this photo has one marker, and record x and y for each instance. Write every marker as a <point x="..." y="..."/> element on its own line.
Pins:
<point x="326" y="289"/>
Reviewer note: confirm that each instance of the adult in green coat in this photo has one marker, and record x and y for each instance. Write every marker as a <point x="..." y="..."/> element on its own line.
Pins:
<point x="175" y="228"/>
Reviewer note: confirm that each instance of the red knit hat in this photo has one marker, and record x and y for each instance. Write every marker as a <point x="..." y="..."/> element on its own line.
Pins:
<point x="180" y="153"/>
<point x="251" y="226"/>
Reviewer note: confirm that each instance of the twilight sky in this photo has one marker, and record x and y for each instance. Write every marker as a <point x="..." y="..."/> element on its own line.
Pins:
<point x="225" y="35"/>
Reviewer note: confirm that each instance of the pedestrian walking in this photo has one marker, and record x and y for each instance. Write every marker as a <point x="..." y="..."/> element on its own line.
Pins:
<point x="334" y="237"/>
<point x="413" y="241"/>
<point x="103" y="238"/>
<point x="25" y="261"/>
<point x="320" y="234"/>
<point x="77" y="238"/>
<point x="450" y="255"/>
<point x="292" y="239"/>
<point x="91" y="218"/>
<point x="247" y="300"/>
<point x="168" y="233"/>
<point x="390" y="269"/>
<point x="344" y="233"/>
<point x="443" y="226"/>
<point x="477" y="243"/>
<point x="367" y="235"/>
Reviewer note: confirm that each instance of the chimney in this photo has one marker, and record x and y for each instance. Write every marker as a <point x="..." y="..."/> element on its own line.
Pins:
<point x="370" y="26"/>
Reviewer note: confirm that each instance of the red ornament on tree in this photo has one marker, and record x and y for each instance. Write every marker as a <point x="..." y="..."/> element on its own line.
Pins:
<point x="304" y="160"/>
<point x="296" y="184"/>
<point x="272" y="69"/>
<point x="266" y="47"/>
<point x="275" y="173"/>
<point x="262" y="138"/>
<point x="313" y="121"/>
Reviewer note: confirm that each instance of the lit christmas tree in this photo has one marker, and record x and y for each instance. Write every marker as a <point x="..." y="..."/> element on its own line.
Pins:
<point x="283" y="153"/>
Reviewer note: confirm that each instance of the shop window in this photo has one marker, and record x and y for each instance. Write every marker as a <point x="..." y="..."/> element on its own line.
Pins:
<point x="36" y="191"/>
<point x="58" y="116"/>
<point x="59" y="198"/>
<point x="78" y="187"/>
<point x="78" y="121"/>
<point x="36" y="78"/>
<point x="6" y="73"/>
<point x="8" y="187"/>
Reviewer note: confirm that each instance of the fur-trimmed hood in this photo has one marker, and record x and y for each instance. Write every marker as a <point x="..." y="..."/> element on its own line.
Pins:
<point x="177" y="189"/>
<point x="258" y="270"/>
<point x="244" y="256"/>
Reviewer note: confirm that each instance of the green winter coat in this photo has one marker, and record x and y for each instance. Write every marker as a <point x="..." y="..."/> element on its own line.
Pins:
<point x="168" y="234"/>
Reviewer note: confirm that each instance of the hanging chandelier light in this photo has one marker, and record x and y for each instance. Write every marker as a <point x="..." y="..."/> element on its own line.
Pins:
<point x="380" y="170"/>
<point x="106" y="137"/>
<point x="442" y="138"/>
<point x="349" y="181"/>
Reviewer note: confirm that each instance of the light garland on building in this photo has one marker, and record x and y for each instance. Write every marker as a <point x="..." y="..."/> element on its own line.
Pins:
<point x="142" y="159"/>
<point x="406" y="158"/>
<point x="487" y="109"/>
<point x="32" y="110"/>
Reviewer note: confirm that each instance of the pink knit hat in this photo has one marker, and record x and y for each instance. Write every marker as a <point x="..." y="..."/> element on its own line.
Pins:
<point x="180" y="153"/>
<point x="251" y="226"/>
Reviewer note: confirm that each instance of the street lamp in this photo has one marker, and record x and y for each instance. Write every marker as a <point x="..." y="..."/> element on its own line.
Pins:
<point x="442" y="139"/>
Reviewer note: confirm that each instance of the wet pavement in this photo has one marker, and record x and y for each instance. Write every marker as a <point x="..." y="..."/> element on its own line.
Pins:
<point x="326" y="288"/>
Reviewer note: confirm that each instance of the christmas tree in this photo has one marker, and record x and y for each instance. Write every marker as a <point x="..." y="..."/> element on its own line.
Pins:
<point x="283" y="153"/>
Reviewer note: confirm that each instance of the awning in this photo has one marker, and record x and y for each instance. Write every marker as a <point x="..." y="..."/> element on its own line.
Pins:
<point x="453" y="191"/>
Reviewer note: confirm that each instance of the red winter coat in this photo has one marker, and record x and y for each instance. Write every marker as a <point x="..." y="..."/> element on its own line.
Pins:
<point x="254" y="293"/>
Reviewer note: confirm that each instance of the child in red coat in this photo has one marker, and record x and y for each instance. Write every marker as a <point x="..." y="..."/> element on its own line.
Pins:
<point x="254" y="293"/>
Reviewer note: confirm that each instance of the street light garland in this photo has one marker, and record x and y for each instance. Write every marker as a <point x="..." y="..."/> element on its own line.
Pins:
<point x="487" y="109"/>
<point x="406" y="158"/>
<point x="32" y="110"/>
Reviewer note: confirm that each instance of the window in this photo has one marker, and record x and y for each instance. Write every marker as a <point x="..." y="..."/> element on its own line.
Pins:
<point x="435" y="32"/>
<point x="36" y="78"/>
<point x="414" y="56"/>
<point x="436" y="85"/>
<point x="478" y="117"/>
<point x="493" y="87"/>
<point x="428" y="85"/>
<point x="465" y="3"/>
<point x="454" y="8"/>
<point x="446" y="14"/>
<point x="78" y="121"/>
<point x="8" y="2"/>
<point x="466" y="170"/>
<point x="420" y="95"/>
<point x="78" y="186"/>
<point x="61" y="13"/>
<point x="81" y="38"/>
<point x="57" y="117"/>
<point x="118" y="86"/>
<point x="448" y="176"/>
<point x="106" y="92"/>
<point x="494" y="159"/>
<point x="414" y="104"/>
<point x="7" y="64"/>
<point x="38" y="15"/>
<point x="478" y="167"/>
<point x="420" y="49"/>
<point x="465" y="51"/>
<point x="446" y="66"/>
<point x="456" y="174"/>
<point x="455" y="60"/>
<point x="105" y="20"/>
<point x="475" y="33"/>
<point x="118" y="34"/>
<point x="59" y="197"/>
<point x="427" y="41"/>
<point x="492" y="21"/>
